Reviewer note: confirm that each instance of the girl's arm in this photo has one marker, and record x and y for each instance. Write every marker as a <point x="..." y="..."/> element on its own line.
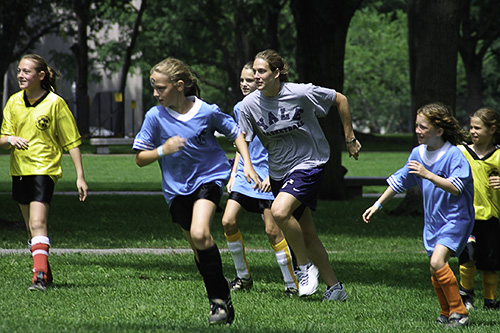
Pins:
<point x="170" y="146"/>
<point x="250" y="173"/>
<point x="81" y="185"/>
<point x="386" y="196"/>
<point x="444" y="184"/>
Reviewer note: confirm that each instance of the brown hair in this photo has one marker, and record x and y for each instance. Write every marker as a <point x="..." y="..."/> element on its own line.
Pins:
<point x="440" y="116"/>
<point x="490" y="118"/>
<point x="49" y="81"/>
<point x="177" y="70"/>
<point x="275" y="61"/>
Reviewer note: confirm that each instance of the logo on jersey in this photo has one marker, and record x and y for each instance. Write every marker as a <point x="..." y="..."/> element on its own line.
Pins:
<point x="283" y="122"/>
<point x="42" y="123"/>
<point x="201" y="136"/>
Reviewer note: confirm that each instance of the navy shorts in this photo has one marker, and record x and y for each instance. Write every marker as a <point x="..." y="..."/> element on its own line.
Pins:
<point x="303" y="185"/>
<point x="26" y="189"/>
<point x="181" y="208"/>
<point x="252" y="205"/>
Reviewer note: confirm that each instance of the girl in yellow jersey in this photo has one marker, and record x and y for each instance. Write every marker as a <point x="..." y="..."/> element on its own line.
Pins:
<point x="37" y="126"/>
<point x="483" y="248"/>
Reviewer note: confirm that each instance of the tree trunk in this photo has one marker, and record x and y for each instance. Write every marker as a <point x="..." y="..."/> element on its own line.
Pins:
<point x="321" y="35"/>
<point x="433" y="28"/>
<point x="80" y="51"/>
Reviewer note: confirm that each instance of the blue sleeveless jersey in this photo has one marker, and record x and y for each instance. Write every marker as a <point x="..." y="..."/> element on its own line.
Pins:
<point x="258" y="156"/>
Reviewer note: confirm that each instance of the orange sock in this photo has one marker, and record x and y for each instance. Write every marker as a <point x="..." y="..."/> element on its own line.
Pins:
<point x="40" y="252"/>
<point x="443" y="302"/>
<point x="449" y="285"/>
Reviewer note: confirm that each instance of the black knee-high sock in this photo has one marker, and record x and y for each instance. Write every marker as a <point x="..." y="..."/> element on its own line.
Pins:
<point x="210" y="267"/>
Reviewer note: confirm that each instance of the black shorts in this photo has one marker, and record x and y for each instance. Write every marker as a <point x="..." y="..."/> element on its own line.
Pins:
<point x="181" y="208"/>
<point x="483" y="245"/>
<point x="250" y="204"/>
<point x="26" y="189"/>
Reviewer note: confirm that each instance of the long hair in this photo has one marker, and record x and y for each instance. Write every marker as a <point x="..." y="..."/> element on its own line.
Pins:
<point x="177" y="70"/>
<point x="275" y="61"/>
<point x="490" y="118"/>
<point x="49" y="81"/>
<point x="440" y="116"/>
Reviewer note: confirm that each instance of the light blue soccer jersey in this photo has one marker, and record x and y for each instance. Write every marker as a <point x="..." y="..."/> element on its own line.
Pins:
<point x="258" y="156"/>
<point x="202" y="160"/>
<point x="448" y="219"/>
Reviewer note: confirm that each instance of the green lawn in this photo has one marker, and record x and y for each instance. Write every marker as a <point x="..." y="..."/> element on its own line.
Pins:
<point x="383" y="265"/>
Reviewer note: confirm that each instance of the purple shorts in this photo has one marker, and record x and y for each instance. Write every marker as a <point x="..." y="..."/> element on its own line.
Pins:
<point x="303" y="185"/>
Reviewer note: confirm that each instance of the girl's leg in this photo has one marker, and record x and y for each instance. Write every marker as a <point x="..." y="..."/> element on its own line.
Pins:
<point x="236" y="245"/>
<point x="467" y="275"/>
<point x="315" y="249"/>
<point x="490" y="281"/>
<point x="444" y="276"/>
<point x="36" y="216"/>
<point x="282" y="252"/>
<point x="209" y="262"/>
<point x="283" y="206"/>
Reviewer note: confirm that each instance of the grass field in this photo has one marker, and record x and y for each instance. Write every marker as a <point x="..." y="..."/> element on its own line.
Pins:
<point x="383" y="265"/>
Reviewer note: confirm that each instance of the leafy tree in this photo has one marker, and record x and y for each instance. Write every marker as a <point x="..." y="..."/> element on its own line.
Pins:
<point x="433" y="64"/>
<point x="321" y="61"/>
<point x="217" y="45"/>
<point x="377" y="70"/>
<point x="22" y="25"/>
<point x="480" y="29"/>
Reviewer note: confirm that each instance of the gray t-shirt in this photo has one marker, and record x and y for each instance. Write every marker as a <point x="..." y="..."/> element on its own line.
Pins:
<point x="287" y="125"/>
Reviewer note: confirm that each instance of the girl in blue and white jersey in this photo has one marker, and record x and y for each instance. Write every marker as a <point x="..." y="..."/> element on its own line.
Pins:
<point x="444" y="177"/>
<point x="179" y="134"/>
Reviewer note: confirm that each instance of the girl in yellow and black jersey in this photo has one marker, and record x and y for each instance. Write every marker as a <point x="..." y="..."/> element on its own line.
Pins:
<point x="37" y="126"/>
<point x="483" y="248"/>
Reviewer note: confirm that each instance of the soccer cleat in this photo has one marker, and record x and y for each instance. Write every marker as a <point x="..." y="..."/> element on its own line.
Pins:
<point x="442" y="319"/>
<point x="458" y="320"/>
<point x="467" y="298"/>
<point x="335" y="293"/>
<point x="291" y="292"/>
<point x="491" y="304"/>
<point x="308" y="279"/>
<point x="39" y="284"/>
<point x="241" y="284"/>
<point x="221" y="312"/>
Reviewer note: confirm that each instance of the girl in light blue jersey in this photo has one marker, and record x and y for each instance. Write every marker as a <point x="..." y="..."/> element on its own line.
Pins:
<point x="179" y="134"/>
<point x="444" y="177"/>
<point x="243" y="196"/>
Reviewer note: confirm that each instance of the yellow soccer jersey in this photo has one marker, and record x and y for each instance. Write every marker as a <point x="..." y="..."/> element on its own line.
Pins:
<point x="49" y="126"/>
<point x="486" y="199"/>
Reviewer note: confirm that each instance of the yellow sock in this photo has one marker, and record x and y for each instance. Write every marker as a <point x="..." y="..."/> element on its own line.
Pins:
<point x="284" y="259"/>
<point x="490" y="281"/>
<point x="467" y="275"/>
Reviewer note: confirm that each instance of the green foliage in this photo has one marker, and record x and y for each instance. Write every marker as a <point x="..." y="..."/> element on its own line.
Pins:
<point x="377" y="71"/>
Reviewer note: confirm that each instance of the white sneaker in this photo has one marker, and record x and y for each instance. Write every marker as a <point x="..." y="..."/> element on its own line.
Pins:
<point x="335" y="293"/>
<point x="308" y="279"/>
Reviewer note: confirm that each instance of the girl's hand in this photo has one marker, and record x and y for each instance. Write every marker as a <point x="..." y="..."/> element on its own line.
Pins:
<point x="495" y="182"/>
<point x="173" y="144"/>
<point x="19" y="143"/>
<point x="368" y="213"/>
<point x="418" y="169"/>
<point x="265" y="186"/>
<point x="251" y="175"/>
<point x="82" y="187"/>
